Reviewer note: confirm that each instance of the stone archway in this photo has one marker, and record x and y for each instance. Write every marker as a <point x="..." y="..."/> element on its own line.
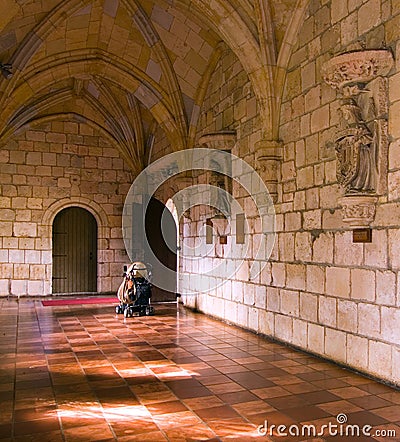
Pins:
<point x="74" y="251"/>
<point x="103" y="234"/>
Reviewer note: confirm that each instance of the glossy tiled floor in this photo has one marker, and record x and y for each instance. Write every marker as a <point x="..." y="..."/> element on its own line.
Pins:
<point x="82" y="373"/>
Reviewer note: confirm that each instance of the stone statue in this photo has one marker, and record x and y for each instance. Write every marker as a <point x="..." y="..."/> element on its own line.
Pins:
<point x="221" y="181"/>
<point x="355" y="149"/>
<point x="362" y="141"/>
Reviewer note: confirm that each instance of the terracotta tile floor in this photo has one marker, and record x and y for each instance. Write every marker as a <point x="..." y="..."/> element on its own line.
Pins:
<point x="82" y="373"/>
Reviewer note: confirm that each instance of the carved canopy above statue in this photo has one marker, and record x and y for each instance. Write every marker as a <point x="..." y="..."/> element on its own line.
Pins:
<point x="357" y="67"/>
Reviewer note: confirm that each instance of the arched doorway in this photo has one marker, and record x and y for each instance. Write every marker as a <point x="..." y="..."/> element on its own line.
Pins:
<point x="74" y="251"/>
<point x="161" y="234"/>
<point x="156" y="244"/>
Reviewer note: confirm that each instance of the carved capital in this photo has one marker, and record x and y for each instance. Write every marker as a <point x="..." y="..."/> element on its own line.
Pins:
<point x="356" y="67"/>
<point x="268" y="150"/>
<point x="222" y="140"/>
<point x="358" y="211"/>
<point x="268" y="154"/>
<point x="267" y="157"/>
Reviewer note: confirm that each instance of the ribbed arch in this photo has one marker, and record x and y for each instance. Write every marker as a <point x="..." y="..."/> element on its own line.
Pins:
<point x="119" y="122"/>
<point x="9" y="9"/>
<point x="222" y="17"/>
<point x="73" y="117"/>
<point x="143" y="87"/>
<point x="76" y="61"/>
<point x="245" y="26"/>
<point x="36" y="38"/>
<point x="150" y="35"/>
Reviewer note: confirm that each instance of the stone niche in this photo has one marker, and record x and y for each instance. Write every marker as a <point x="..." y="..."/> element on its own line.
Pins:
<point x="220" y="177"/>
<point x="361" y="141"/>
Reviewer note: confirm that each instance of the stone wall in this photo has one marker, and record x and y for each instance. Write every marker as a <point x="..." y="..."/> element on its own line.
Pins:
<point x="230" y="105"/>
<point x="319" y="291"/>
<point x="338" y="299"/>
<point x="42" y="171"/>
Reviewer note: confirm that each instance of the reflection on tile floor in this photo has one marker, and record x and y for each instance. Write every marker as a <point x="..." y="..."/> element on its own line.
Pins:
<point x="82" y="373"/>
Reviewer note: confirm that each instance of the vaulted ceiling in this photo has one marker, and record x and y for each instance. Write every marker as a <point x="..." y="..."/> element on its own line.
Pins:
<point x="129" y="67"/>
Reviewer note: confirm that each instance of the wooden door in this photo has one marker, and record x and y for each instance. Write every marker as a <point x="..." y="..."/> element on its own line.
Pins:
<point x="161" y="232"/>
<point x="155" y="242"/>
<point x="74" y="251"/>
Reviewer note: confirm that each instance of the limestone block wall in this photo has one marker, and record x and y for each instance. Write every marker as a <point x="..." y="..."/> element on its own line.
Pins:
<point x="319" y="291"/>
<point x="334" y="297"/>
<point x="230" y="104"/>
<point x="42" y="171"/>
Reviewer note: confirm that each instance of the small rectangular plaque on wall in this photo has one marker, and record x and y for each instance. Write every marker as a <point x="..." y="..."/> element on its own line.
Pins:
<point x="223" y="239"/>
<point x="362" y="235"/>
<point x="209" y="231"/>
<point x="240" y="220"/>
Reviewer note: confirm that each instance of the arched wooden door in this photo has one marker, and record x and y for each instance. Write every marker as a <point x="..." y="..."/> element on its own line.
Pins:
<point x="74" y="251"/>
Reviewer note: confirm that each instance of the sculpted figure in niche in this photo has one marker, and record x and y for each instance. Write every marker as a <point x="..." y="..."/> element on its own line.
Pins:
<point x="356" y="148"/>
<point x="222" y="181"/>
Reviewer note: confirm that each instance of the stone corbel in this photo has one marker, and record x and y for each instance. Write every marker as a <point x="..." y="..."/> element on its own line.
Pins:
<point x="222" y="140"/>
<point x="357" y="67"/>
<point x="268" y="157"/>
<point x="358" y="211"/>
<point x="361" y="141"/>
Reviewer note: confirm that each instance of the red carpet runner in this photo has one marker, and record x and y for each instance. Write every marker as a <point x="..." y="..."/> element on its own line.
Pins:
<point x="76" y="301"/>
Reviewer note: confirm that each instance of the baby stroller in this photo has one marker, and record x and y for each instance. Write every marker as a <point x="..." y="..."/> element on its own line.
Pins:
<point x="134" y="293"/>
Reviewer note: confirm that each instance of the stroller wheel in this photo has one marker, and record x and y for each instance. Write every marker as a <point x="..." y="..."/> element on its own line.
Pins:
<point x="119" y="309"/>
<point x="142" y="311"/>
<point x="127" y="312"/>
<point x="149" y="310"/>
